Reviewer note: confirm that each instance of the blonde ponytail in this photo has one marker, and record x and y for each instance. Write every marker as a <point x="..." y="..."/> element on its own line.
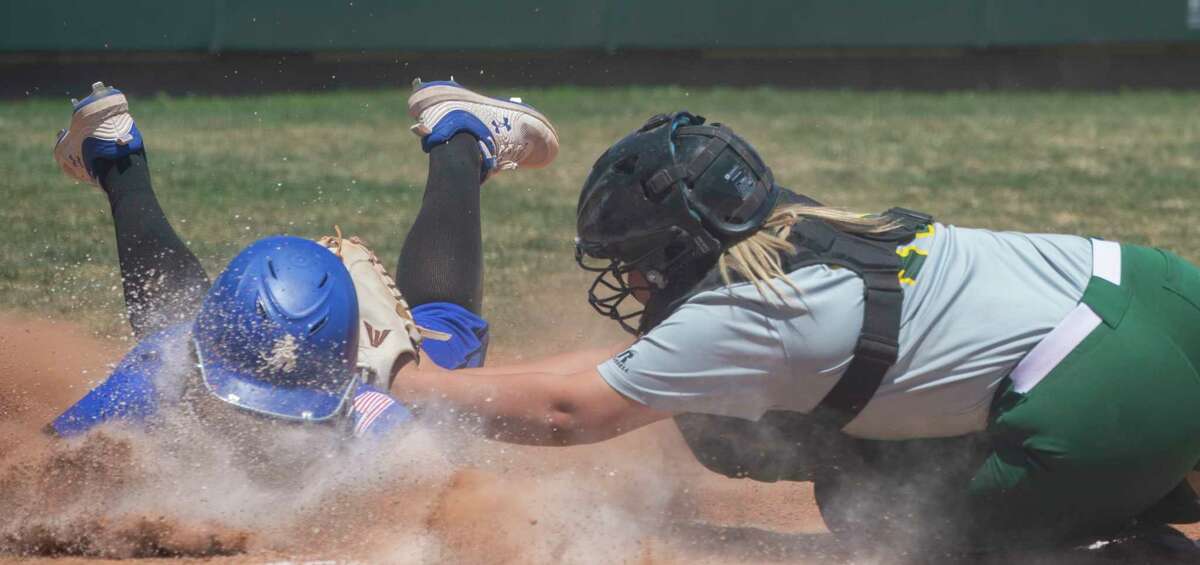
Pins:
<point x="757" y="258"/>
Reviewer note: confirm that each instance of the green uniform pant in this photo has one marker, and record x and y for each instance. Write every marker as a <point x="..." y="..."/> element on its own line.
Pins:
<point x="1110" y="430"/>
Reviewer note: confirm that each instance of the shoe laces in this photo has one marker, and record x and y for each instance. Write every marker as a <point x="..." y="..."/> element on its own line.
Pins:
<point x="509" y="154"/>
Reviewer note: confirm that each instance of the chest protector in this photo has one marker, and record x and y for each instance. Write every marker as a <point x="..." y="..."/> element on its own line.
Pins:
<point x="786" y="445"/>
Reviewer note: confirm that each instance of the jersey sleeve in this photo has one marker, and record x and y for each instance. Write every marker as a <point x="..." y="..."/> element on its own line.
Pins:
<point x="468" y="332"/>
<point x="717" y="357"/>
<point x="129" y="393"/>
<point x="377" y="413"/>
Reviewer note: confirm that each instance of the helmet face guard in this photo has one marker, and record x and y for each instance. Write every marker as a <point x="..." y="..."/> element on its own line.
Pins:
<point x="662" y="201"/>
<point x="611" y="287"/>
<point x="609" y="290"/>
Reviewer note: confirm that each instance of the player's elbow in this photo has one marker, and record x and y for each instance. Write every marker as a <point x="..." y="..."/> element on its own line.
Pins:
<point x="562" y="424"/>
<point x="570" y="423"/>
<point x="559" y="412"/>
<point x="554" y="424"/>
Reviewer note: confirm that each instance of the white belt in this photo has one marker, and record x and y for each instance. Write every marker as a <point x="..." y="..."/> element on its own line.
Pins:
<point x="1048" y="353"/>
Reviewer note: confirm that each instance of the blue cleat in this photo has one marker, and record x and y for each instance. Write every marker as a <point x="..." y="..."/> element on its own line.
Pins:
<point x="101" y="128"/>
<point x="511" y="134"/>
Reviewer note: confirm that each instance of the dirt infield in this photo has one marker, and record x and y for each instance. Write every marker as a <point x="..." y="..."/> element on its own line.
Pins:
<point x="430" y="496"/>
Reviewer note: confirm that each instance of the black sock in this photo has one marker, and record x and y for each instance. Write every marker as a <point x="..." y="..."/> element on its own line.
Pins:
<point x="442" y="257"/>
<point x="164" y="283"/>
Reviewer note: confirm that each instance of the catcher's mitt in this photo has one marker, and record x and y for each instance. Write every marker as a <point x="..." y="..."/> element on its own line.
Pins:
<point x="386" y="330"/>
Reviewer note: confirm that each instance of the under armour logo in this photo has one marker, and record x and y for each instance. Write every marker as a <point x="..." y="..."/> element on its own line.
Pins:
<point x="504" y="124"/>
<point x="375" y="336"/>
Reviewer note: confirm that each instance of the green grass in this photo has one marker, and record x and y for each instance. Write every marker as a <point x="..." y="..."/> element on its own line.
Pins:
<point x="229" y="170"/>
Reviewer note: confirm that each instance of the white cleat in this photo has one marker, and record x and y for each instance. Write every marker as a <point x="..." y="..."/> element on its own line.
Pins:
<point x="511" y="133"/>
<point x="101" y="128"/>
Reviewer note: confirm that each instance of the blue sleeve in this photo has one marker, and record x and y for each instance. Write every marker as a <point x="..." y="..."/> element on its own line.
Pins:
<point x="127" y="394"/>
<point x="377" y="413"/>
<point x="468" y="335"/>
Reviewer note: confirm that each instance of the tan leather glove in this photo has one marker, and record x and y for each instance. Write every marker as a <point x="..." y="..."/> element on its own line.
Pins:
<point x="388" y="337"/>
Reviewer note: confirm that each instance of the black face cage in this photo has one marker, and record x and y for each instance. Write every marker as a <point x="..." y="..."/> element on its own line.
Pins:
<point x="610" y="288"/>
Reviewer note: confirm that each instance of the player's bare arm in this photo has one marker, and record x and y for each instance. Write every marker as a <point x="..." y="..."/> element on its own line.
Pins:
<point x="545" y="406"/>
<point x="560" y="364"/>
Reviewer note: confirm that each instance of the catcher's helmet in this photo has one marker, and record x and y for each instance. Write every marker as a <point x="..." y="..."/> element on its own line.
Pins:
<point x="666" y="201"/>
<point x="278" y="332"/>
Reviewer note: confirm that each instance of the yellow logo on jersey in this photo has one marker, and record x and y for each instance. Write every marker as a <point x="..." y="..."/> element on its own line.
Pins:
<point x="912" y="258"/>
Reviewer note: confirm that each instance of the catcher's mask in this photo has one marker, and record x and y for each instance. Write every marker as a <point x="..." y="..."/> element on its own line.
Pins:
<point x="665" y="201"/>
<point x="277" y="334"/>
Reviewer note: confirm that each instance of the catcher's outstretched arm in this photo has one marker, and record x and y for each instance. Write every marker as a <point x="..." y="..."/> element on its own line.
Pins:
<point x="535" y="408"/>
<point x="561" y="364"/>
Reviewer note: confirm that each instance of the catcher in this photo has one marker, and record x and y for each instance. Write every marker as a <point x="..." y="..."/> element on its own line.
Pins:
<point x="294" y="330"/>
<point x="773" y="328"/>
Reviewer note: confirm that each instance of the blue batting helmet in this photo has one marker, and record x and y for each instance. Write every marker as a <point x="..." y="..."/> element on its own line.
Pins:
<point x="278" y="332"/>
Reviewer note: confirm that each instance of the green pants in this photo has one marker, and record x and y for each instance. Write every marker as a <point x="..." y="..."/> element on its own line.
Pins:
<point x="1112" y="428"/>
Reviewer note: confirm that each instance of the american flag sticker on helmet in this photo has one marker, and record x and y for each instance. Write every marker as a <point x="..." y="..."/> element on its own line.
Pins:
<point x="369" y="406"/>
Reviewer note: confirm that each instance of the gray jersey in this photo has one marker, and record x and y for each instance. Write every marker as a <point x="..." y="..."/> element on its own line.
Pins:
<point x="978" y="303"/>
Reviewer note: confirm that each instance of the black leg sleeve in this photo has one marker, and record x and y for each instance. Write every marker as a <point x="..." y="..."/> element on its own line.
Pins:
<point x="442" y="257"/>
<point x="164" y="283"/>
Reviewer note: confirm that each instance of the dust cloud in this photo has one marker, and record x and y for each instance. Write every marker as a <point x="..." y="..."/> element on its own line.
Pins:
<point x="177" y="488"/>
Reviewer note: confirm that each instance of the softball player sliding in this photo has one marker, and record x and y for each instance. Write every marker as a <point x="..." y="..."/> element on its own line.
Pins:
<point x="768" y="316"/>
<point x="295" y="330"/>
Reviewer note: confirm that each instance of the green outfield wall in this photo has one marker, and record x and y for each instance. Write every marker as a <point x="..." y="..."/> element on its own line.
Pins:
<point x="426" y="25"/>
